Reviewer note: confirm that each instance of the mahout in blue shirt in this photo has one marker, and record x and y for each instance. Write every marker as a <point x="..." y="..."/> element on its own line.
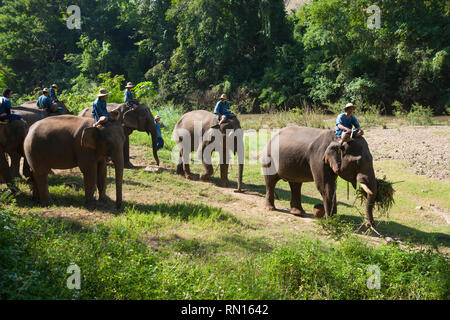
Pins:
<point x="222" y="109"/>
<point x="346" y="122"/>
<point x="99" y="109"/>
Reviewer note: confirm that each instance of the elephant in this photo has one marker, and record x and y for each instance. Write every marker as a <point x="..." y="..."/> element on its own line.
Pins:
<point x="301" y="154"/>
<point x="31" y="113"/>
<point x="60" y="104"/>
<point x="68" y="141"/>
<point x="12" y="136"/>
<point x="140" y="119"/>
<point x="207" y="137"/>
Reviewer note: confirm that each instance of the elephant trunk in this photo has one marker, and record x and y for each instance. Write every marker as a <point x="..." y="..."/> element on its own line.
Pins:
<point x="118" y="165"/>
<point x="154" y="134"/>
<point x="369" y="185"/>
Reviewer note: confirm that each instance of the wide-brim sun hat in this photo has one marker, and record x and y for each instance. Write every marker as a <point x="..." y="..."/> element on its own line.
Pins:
<point x="349" y="105"/>
<point x="55" y="86"/>
<point x="157" y="118"/>
<point x="46" y="90"/>
<point x="103" y="93"/>
<point x="223" y="96"/>
<point x="129" y="85"/>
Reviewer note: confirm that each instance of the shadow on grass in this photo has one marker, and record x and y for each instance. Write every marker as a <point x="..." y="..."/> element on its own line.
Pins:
<point x="204" y="248"/>
<point x="252" y="245"/>
<point x="280" y="194"/>
<point x="395" y="230"/>
<point x="186" y="211"/>
<point x="73" y="196"/>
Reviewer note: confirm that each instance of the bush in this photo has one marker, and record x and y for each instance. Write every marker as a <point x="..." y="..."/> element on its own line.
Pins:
<point x="420" y="116"/>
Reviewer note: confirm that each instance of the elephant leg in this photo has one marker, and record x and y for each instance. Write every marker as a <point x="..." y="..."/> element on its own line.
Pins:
<point x="271" y="182"/>
<point x="101" y="181"/>
<point x="126" y="153"/>
<point x="15" y="165"/>
<point x="90" y="183"/>
<point x="180" y="169"/>
<point x="187" y="171"/>
<point x="5" y="172"/>
<point x="224" y="183"/>
<point x="328" y="192"/>
<point x="26" y="171"/>
<point x="296" y="199"/>
<point x="208" y="169"/>
<point x="34" y="188"/>
<point x="183" y="166"/>
<point x="40" y="181"/>
<point x="334" y="203"/>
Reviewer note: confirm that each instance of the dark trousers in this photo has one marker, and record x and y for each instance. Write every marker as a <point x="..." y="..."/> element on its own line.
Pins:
<point x="160" y="143"/>
<point x="11" y="117"/>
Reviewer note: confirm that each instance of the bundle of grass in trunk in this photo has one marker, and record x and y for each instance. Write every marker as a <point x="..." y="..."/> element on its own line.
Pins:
<point x="384" y="199"/>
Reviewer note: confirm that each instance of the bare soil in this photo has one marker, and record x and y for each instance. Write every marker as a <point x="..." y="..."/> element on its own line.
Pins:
<point x="426" y="149"/>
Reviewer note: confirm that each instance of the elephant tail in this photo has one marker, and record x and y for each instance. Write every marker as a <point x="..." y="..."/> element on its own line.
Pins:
<point x="266" y="161"/>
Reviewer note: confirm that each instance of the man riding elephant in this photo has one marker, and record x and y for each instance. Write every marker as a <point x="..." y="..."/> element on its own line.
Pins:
<point x="53" y="96"/>
<point x="6" y="115"/>
<point x="139" y="118"/>
<point x="12" y="134"/>
<point x="301" y="154"/>
<point x="345" y="122"/>
<point x="45" y="102"/>
<point x="222" y="109"/>
<point x="99" y="109"/>
<point x="32" y="113"/>
<point x="128" y="97"/>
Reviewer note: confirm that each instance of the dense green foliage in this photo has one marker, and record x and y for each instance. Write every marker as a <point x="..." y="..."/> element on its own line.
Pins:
<point x="264" y="58"/>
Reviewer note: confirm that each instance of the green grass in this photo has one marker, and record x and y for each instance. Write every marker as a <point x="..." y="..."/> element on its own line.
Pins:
<point x="180" y="239"/>
<point x="117" y="262"/>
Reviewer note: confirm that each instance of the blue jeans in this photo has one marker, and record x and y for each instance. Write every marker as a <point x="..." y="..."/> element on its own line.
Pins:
<point x="11" y="117"/>
<point x="160" y="143"/>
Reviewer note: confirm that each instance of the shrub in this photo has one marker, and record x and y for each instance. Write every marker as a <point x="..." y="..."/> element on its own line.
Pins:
<point x="419" y="115"/>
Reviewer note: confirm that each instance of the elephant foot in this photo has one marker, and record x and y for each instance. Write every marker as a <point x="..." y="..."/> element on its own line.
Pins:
<point x="238" y="190"/>
<point x="224" y="184"/>
<point x="129" y="165"/>
<point x="205" y="177"/>
<point x="297" y="212"/>
<point x="90" y="204"/>
<point x="104" y="198"/>
<point x="270" y="207"/>
<point x="180" y="170"/>
<point x="46" y="203"/>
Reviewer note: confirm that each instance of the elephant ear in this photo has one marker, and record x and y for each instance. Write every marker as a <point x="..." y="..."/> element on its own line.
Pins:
<point x="332" y="157"/>
<point x="130" y="119"/>
<point x="115" y="114"/>
<point x="89" y="138"/>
